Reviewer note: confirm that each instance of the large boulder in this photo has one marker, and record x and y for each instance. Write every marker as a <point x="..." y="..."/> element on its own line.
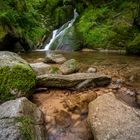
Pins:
<point x="16" y="77"/>
<point x="73" y="81"/>
<point x="69" y="67"/>
<point x="111" y="119"/>
<point x="21" y="120"/>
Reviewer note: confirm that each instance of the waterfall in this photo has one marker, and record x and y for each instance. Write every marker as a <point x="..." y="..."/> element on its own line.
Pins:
<point x="61" y="31"/>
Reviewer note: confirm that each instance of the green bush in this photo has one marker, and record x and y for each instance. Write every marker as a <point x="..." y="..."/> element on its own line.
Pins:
<point x="91" y="26"/>
<point x="23" y="17"/>
<point x="134" y="45"/>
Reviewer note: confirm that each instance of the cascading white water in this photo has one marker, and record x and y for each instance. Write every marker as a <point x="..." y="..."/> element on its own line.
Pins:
<point x="52" y="39"/>
<point x="60" y="32"/>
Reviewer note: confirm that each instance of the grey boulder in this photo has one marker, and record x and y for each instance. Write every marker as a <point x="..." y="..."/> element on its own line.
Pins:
<point x="21" y="120"/>
<point x="111" y="119"/>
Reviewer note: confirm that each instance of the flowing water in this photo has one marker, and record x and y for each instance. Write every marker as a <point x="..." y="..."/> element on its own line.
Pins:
<point x="59" y="33"/>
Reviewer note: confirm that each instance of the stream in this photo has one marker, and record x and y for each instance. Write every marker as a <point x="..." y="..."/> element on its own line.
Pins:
<point x="66" y="123"/>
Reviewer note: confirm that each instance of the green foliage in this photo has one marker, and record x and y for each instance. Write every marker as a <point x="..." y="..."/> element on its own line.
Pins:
<point x="109" y="24"/>
<point x="24" y="17"/>
<point x="25" y="128"/>
<point x="91" y="27"/>
<point x="19" y="78"/>
<point x="99" y="36"/>
<point x="134" y="45"/>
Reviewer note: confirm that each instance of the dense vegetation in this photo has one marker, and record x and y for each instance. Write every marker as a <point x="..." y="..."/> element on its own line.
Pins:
<point x="112" y="24"/>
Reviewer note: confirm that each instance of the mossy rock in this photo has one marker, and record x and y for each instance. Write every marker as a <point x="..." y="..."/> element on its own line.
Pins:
<point x="20" y="119"/>
<point x="16" y="77"/>
<point x="70" y="66"/>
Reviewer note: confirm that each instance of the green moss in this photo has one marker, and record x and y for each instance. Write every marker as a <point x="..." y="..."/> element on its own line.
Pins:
<point x="121" y="27"/>
<point x="54" y="70"/>
<point x="18" y="80"/>
<point x="25" y="128"/>
<point x="2" y="32"/>
<point x="134" y="45"/>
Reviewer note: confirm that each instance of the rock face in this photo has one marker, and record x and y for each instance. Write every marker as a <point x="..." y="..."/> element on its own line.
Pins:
<point x="111" y="119"/>
<point x="69" y="67"/>
<point x="16" y="77"/>
<point x="21" y="120"/>
<point x="11" y="41"/>
<point x="54" y="58"/>
<point x="73" y="81"/>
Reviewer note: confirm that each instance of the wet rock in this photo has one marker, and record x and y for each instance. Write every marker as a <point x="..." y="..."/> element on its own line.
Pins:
<point x="16" y="77"/>
<point x="63" y="119"/>
<point x="54" y="58"/>
<point x="40" y="68"/>
<point x="69" y="67"/>
<point x="20" y="119"/>
<point x="130" y="93"/>
<point x="91" y="70"/>
<point x="75" y="81"/>
<point x="110" y="118"/>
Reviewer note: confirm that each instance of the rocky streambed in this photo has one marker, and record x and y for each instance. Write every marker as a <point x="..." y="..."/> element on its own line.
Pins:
<point x="78" y="96"/>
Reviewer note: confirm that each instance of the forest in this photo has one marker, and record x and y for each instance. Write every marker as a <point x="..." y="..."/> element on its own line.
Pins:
<point x="108" y="24"/>
<point x="69" y="70"/>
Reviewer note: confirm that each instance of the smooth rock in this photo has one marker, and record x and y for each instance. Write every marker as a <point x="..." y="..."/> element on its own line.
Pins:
<point x="21" y="120"/>
<point x="111" y="119"/>
<point x="69" y="67"/>
<point x="54" y="58"/>
<point x="91" y="70"/>
<point x="75" y="81"/>
<point x="40" y="68"/>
